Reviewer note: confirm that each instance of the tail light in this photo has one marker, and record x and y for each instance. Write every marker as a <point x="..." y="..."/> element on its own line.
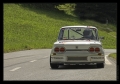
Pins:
<point x="97" y="49"/>
<point x="62" y="49"/>
<point x="56" y="49"/>
<point x="91" y="49"/>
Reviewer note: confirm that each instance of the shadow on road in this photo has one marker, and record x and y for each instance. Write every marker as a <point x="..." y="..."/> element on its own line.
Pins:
<point x="77" y="67"/>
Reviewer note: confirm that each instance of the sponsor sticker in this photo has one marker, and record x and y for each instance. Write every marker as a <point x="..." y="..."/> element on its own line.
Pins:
<point x="57" y="57"/>
<point x="97" y="57"/>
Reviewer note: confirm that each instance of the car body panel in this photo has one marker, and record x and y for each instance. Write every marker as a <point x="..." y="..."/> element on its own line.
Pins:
<point x="77" y="51"/>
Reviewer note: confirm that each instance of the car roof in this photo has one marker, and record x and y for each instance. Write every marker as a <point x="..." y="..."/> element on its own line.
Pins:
<point x="79" y="26"/>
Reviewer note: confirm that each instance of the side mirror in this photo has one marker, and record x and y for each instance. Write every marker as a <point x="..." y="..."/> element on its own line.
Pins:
<point x="101" y="38"/>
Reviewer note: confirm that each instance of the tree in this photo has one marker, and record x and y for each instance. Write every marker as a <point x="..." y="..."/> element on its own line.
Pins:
<point x="97" y="11"/>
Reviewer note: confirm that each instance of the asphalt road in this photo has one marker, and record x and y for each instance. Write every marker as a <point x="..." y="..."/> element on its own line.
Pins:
<point x="34" y="65"/>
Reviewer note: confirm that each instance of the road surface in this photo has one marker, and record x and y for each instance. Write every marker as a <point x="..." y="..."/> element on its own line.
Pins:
<point x="34" y="65"/>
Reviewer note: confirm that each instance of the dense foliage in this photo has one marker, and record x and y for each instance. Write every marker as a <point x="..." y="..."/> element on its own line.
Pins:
<point x="101" y="12"/>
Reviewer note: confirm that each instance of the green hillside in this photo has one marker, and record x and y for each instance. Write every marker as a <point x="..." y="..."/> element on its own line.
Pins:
<point x="25" y="28"/>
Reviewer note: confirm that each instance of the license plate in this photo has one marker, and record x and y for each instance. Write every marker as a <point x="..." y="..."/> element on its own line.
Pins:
<point x="76" y="58"/>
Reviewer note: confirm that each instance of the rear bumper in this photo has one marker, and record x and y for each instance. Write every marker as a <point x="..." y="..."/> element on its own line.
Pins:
<point x="88" y="60"/>
<point x="62" y="63"/>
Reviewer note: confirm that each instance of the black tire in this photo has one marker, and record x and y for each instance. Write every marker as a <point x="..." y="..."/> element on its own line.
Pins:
<point x="53" y="66"/>
<point x="100" y="65"/>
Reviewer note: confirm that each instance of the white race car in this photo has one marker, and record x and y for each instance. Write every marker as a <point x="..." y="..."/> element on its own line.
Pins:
<point x="77" y="45"/>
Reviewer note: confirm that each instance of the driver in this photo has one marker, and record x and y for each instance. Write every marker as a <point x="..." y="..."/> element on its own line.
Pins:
<point x="87" y="33"/>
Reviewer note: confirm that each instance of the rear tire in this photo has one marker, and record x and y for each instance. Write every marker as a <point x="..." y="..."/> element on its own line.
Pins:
<point x="100" y="65"/>
<point x="53" y="66"/>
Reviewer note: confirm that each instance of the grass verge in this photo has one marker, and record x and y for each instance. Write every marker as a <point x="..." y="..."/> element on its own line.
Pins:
<point x="29" y="28"/>
<point x="113" y="55"/>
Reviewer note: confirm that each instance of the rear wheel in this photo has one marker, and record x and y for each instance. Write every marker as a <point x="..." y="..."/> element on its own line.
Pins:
<point x="53" y="66"/>
<point x="100" y="65"/>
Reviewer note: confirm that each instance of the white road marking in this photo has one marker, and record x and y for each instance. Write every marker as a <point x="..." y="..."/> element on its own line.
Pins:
<point x="106" y="60"/>
<point x="33" y="60"/>
<point x="45" y="57"/>
<point x="15" y="69"/>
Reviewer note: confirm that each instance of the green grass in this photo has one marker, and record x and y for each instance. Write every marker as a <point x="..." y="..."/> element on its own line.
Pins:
<point x="26" y="28"/>
<point x="113" y="55"/>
